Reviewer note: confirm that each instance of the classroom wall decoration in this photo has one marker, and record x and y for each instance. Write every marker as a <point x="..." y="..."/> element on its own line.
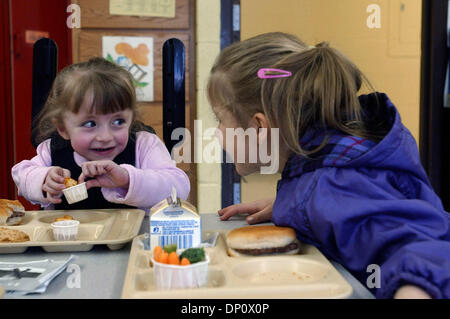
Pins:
<point x="149" y="8"/>
<point x="136" y="55"/>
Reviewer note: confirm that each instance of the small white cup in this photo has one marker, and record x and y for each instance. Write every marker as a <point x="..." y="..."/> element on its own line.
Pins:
<point x="76" y="193"/>
<point x="168" y="276"/>
<point x="65" y="230"/>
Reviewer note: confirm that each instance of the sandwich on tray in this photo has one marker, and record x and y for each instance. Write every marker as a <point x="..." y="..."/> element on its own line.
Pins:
<point x="11" y="212"/>
<point x="262" y="240"/>
<point x="9" y="235"/>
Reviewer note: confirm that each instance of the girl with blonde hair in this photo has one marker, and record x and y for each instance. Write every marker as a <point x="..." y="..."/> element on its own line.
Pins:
<point x="351" y="179"/>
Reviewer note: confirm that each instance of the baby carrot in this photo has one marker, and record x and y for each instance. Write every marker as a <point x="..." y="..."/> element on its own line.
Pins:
<point x="164" y="258"/>
<point x="185" y="262"/>
<point x="156" y="252"/>
<point x="174" y="259"/>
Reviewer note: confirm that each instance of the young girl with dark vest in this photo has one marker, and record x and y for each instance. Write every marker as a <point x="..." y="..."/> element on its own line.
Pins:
<point x="88" y="130"/>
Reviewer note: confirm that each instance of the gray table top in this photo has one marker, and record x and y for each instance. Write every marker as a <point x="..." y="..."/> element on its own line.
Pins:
<point x="103" y="271"/>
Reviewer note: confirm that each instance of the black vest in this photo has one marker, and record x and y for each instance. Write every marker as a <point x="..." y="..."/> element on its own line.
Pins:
<point x="62" y="156"/>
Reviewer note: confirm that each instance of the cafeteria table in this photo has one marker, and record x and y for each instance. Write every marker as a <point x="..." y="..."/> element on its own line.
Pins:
<point x="102" y="271"/>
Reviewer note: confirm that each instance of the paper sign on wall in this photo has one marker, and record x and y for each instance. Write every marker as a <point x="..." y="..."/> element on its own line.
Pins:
<point x="136" y="55"/>
<point x="31" y="36"/>
<point x="150" y="8"/>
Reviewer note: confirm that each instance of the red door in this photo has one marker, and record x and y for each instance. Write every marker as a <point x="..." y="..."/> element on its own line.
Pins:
<point x="29" y="21"/>
<point x="6" y="126"/>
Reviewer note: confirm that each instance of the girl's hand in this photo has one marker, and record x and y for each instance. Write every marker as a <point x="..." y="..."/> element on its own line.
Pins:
<point x="105" y="174"/>
<point x="54" y="184"/>
<point x="411" y="292"/>
<point x="259" y="211"/>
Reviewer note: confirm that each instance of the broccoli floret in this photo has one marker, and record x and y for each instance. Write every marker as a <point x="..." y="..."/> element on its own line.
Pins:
<point x="170" y="248"/>
<point x="193" y="254"/>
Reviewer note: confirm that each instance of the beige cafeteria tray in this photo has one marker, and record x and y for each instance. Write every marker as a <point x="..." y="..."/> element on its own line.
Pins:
<point x="111" y="227"/>
<point x="307" y="275"/>
<point x="2" y="292"/>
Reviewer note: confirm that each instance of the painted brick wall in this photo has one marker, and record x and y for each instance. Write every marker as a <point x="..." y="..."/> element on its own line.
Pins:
<point x="207" y="48"/>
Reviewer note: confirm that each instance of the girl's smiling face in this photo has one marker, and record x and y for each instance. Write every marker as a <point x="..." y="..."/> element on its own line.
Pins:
<point x="96" y="136"/>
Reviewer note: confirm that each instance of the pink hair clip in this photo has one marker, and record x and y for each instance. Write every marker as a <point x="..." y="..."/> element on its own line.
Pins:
<point x="262" y="73"/>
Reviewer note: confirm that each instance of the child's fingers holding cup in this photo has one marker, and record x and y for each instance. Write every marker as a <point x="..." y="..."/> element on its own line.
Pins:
<point x="55" y="174"/>
<point x="53" y="186"/>
<point x="89" y="169"/>
<point x="55" y="199"/>
<point x="104" y="167"/>
<point x="52" y="194"/>
<point x="102" y="170"/>
<point x="81" y="178"/>
<point x="92" y="183"/>
<point x="65" y="173"/>
<point x="60" y="171"/>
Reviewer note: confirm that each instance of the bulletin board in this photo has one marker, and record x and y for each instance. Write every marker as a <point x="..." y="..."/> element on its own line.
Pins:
<point x="97" y="23"/>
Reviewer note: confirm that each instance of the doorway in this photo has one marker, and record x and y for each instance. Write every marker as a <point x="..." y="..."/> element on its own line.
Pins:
<point x="26" y="21"/>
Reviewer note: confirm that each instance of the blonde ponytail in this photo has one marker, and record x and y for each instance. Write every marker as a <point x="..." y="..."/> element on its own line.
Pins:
<point x="322" y="90"/>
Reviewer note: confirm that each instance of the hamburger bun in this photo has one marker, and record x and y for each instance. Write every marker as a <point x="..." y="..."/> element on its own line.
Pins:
<point x="11" y="212"/>
<point x="8" y="235"/>
<point x="5" y="213"/>
<point x="234" y="253"/>
<point x="262" y="240"/>
<point x="14" y="204"/>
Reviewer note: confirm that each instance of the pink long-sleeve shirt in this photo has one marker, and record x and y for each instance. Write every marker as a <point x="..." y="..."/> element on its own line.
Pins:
<point x="151" y="179"/>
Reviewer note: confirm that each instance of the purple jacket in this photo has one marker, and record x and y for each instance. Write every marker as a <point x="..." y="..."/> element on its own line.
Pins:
<point x="364" y="203"/>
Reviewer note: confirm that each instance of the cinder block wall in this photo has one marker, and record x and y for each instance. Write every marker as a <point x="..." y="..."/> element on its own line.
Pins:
<point x="209" y="177"/>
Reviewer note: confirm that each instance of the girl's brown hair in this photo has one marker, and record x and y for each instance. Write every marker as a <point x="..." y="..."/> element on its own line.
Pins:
<point x="109" y="87"/>
<point x="322" y="90"/>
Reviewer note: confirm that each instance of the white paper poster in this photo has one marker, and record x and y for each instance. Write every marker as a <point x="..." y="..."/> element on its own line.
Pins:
<point x="150" y="8"/>
<point x="135" y="54"/>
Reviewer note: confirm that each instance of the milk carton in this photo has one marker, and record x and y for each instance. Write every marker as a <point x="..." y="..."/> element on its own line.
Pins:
<point x="175" y="221"/>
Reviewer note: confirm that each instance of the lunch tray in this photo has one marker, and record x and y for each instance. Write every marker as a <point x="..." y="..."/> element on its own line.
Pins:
<point x="307" y="275"/>
<point x="111" y="227"/>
